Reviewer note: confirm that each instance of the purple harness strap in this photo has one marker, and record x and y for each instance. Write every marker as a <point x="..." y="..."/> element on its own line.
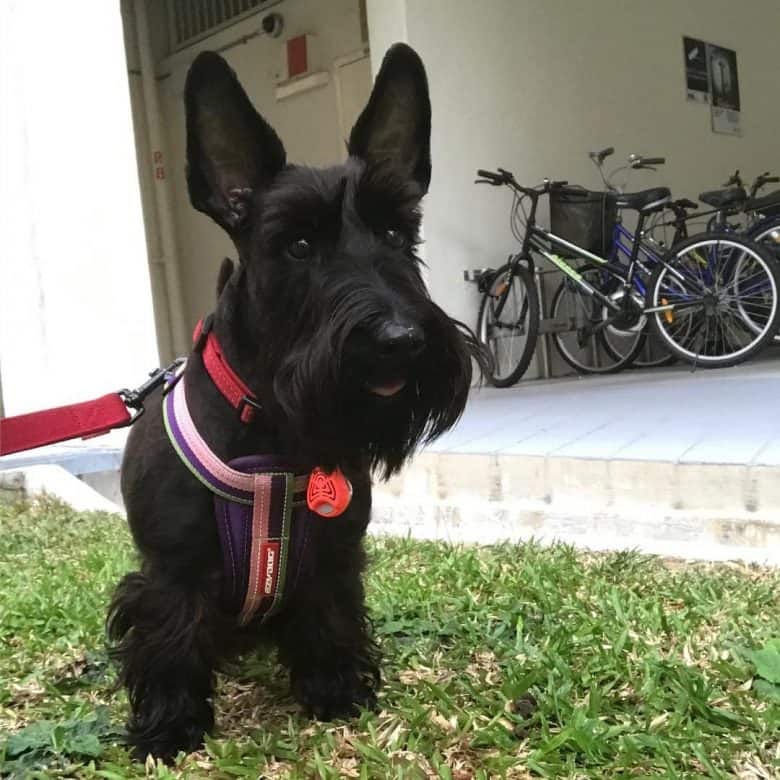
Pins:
<point x="261" y="511"/>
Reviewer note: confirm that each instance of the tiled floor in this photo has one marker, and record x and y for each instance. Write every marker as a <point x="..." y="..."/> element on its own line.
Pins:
<point x="723" y="416"/>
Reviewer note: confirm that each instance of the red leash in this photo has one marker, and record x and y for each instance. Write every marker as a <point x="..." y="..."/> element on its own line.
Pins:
<point x="83" y="420"/>
<point x="117" y="410"/>
<point x="88" y="418"/>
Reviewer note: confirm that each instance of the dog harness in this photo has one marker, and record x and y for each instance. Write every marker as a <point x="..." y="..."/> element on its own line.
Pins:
<point x="265" y="507"/>
<point x="262" y="515"/>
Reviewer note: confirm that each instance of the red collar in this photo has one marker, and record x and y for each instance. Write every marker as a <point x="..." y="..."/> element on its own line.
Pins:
<point x="227" y="381"/>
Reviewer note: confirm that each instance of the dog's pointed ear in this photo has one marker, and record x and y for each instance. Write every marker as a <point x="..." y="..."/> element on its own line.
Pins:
<point x="395" y="126"/>
<point x="231" y="150"/>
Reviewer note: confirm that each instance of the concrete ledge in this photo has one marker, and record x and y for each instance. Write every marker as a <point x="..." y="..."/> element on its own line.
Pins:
<point x="680" y="508"/>
<point x="687" y="510"/>
<point x="54" y="481"/>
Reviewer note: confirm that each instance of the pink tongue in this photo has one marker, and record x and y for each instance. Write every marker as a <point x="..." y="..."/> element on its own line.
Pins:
<point x="391" y="388"/>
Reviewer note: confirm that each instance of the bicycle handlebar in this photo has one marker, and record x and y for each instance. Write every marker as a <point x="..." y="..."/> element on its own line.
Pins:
<point x="681" y="207"/>
<point x="735" y="180"/>
<point x="507" y="177"/>
<point x="488" y="177"/>
<point x="599" y="157"/>
<point x="638" y="162"/>
<point x="760" y="181"/>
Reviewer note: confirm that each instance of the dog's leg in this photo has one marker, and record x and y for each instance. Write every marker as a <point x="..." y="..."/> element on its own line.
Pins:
<point x="164" y="644"/>
<point x="326" y="641"/>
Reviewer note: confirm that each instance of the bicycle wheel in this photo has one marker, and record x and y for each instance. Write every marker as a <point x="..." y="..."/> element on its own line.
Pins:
<point x="767" y="233"/>
<point x="723" y="299"/>
<point x="588" y="335"/>
<point x="508" y="323"/>
<point x="652" y="352"/>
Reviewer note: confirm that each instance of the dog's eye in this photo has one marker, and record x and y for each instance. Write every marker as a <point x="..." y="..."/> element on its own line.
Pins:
<point x="395" y="238"/>
<point x="300" y="249"/>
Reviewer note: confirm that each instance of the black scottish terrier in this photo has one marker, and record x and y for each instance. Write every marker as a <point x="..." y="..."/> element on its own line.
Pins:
<point x="326" y="318"/>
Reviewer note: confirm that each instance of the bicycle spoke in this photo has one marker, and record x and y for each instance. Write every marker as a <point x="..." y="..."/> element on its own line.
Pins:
<point x="732" y="316"/>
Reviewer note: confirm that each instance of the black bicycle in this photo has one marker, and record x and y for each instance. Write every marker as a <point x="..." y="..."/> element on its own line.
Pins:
<point x="713" y="299"/>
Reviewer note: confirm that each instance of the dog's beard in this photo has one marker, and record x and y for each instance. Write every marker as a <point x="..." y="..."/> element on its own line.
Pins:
<point x="335" y="415"/>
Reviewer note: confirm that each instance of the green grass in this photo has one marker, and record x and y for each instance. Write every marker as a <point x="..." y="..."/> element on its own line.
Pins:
<point x="509" y="661"/>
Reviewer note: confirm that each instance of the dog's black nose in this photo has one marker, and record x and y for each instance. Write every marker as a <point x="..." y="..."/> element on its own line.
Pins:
<point x="400" y="339"/>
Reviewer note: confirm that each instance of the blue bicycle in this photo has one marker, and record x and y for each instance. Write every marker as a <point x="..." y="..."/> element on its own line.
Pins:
<point x="758" y="216"/>
<point x="650" y="251"/>
<point x="623" y="248"/>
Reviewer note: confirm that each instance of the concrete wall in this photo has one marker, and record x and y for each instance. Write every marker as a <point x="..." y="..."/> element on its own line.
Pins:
<point x="386" y="25"/>
<point x="533" y="86"/>
<point x="75" y="301"/>
<point x="308" y="123"/>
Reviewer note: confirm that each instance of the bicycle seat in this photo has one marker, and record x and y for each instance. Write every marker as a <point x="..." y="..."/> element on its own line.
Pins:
<point x="719" y="199"/>
<point x="646" y="201"/>
<point x="765" y="202"/>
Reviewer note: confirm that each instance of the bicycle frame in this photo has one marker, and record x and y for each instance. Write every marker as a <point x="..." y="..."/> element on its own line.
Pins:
<point x="544" y="241"/>
<point x="645" y="254"/>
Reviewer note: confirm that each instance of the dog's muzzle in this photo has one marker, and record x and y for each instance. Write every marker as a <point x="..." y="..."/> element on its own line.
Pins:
<point x="387" y="355"/>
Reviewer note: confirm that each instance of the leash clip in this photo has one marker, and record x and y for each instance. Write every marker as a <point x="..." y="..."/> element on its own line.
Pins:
<point x="134" y="399"/>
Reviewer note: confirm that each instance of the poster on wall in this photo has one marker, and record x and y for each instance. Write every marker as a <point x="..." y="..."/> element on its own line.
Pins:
<point x="697" y="80"/>
<point x="711" y="78"/>
<point x="724" y="89"/>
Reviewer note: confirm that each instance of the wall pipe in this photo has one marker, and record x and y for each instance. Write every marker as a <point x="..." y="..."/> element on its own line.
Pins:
<point x="180" y="338"/>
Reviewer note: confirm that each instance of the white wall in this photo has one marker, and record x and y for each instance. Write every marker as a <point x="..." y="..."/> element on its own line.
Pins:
<point x="386" y="26"/>
<point x="532" y="86"/>
<point x="307" y="123"/>
<point x="75" y="302"/>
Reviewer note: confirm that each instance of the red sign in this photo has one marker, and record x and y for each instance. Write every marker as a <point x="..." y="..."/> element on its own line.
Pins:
<point x="297" y="59"/>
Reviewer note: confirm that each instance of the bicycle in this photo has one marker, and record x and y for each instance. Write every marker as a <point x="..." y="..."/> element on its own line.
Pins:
<point x="762" y="214"/>
<point x="706" y="299"/>
<point x="652" y="354"/>
<point x="732" y="198"/>
<point x="611" y="349"/>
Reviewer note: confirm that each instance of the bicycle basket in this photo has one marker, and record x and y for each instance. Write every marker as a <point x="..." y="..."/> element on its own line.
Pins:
<point x="583" y="217"/>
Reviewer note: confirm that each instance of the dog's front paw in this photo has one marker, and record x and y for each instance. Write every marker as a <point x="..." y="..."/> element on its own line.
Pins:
<point x="166" y="743"/>
<point x="337" y="693"/>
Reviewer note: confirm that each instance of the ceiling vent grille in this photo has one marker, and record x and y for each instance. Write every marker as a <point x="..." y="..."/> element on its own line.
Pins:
<point x="192" y="20"/>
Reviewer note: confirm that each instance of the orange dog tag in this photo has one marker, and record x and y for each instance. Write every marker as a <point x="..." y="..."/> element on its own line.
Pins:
<point x="328" y="494"/>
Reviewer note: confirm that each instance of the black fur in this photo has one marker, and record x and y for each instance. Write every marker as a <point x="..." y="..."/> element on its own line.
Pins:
<point x="316" y="339"/>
